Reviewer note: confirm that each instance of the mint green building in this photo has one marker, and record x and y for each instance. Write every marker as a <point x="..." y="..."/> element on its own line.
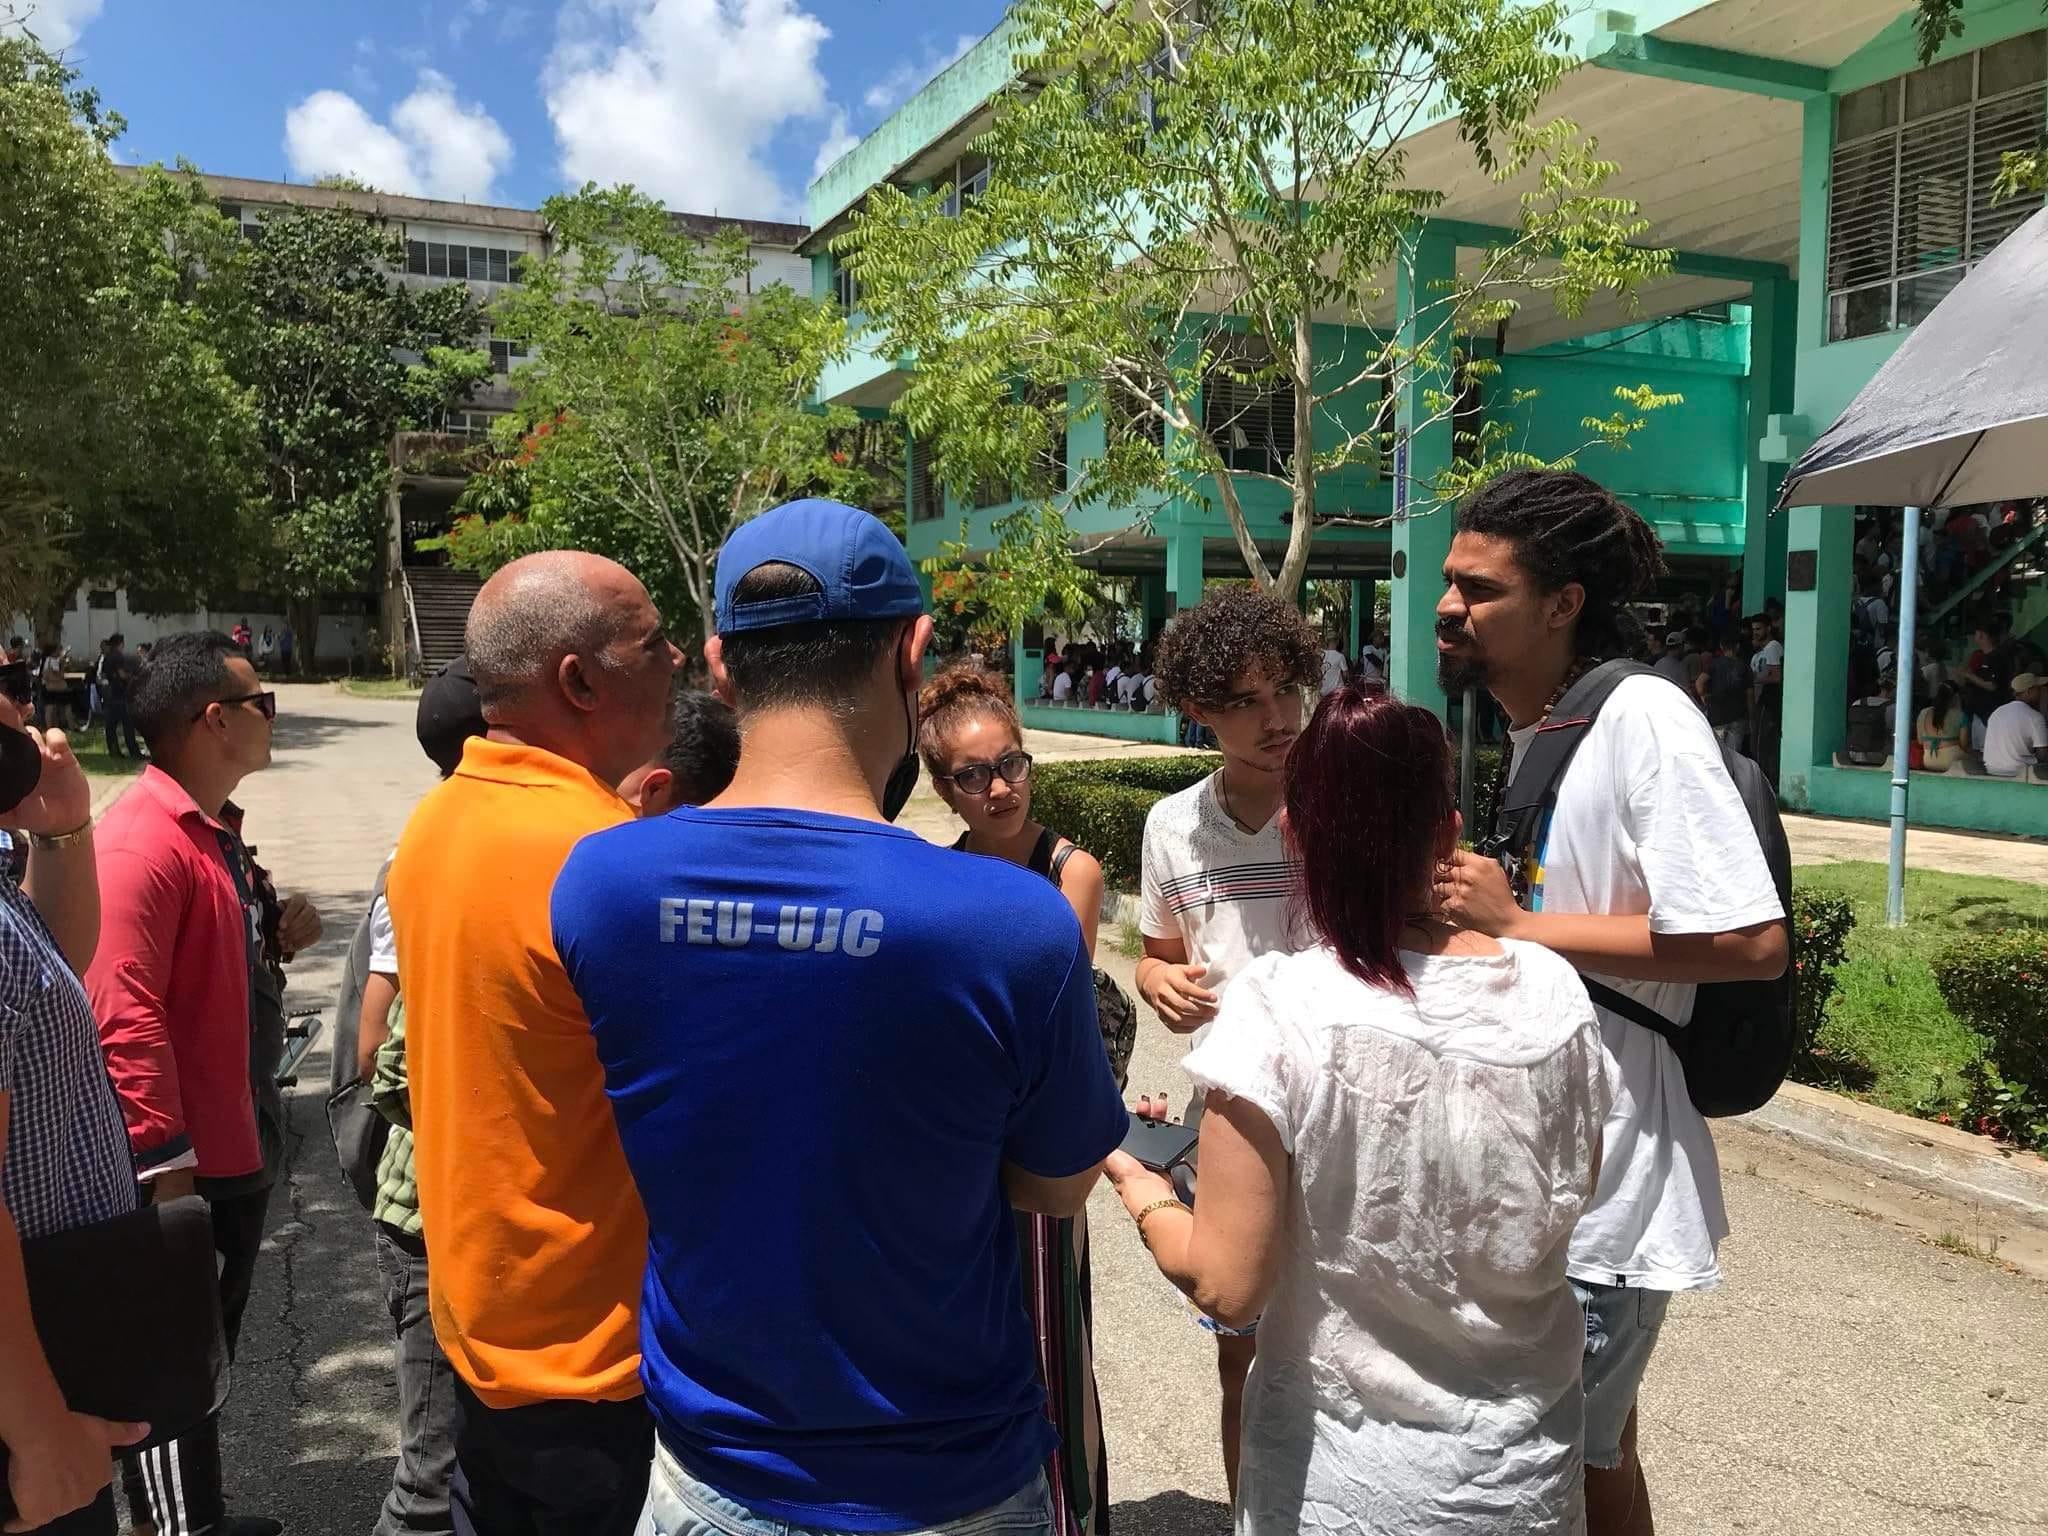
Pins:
<point x="1821" y="193"/>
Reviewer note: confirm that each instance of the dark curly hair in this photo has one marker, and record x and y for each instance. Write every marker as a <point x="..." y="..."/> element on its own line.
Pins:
<point x="1566" y="528"/>
<point x="1208" y="648"/>
<point x="963" y="692"/>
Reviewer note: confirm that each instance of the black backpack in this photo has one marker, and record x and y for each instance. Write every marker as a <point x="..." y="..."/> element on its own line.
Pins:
<point x="1739" y="1044"/>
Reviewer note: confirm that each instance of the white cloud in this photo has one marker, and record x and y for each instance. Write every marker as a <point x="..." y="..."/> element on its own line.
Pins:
<point x="56" y="23"/>
<point x="683" y="98"/>
<point x="360" y="75"/>
<point x="434" y="145"/>
<point x="460" y="23"/>
<point x="839" y="138"/>
<point x="909" y="77"/>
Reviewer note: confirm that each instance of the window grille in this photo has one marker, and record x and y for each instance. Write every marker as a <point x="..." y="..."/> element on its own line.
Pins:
<point x="1910" y="200"/>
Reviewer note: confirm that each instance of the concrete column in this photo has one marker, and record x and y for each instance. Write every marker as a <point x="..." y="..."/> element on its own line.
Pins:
<point x="1184" y="565"/>
<point x="1423" y="538"/>
<point x="1155" y="604"/>
<point x="1027" y="667"/>
<point x="1816" y="647"/>
<point x="1361" y="620"/>
<point x="1773" y="364"/>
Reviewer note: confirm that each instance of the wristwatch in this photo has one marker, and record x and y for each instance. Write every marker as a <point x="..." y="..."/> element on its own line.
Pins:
<point x="63" y="839"/>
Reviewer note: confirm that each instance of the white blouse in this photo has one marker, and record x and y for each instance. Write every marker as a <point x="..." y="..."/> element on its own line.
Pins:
<point x="1418" y="1364"/>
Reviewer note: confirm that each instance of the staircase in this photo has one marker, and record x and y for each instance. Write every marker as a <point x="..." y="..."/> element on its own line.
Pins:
<point x="439" y="597"/>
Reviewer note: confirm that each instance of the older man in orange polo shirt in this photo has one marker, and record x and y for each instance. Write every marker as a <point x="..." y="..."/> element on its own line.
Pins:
<point x="536" y="1237"/>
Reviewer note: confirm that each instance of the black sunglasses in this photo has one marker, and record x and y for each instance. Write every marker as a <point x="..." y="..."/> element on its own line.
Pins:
<point x="15" y="682"/>
<point x="975" y="778"/>
<point x="266" y="704"/>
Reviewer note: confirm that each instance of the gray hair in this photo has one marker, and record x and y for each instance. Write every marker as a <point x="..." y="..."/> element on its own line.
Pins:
<point x="530" y="615"/>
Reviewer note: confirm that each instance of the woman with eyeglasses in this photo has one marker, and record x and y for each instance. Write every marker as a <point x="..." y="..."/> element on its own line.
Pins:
<point x="972" y="744"/>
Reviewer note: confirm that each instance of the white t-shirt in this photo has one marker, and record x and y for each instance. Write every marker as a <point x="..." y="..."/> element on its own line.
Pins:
<point x="1419" y="1360"/>
<point x="383" y="943"/>
<point x="1770" y="654"/>
<point x="1223" y="892"/>
<point x="1369" y="668"/>
<point x="1335" y="669"/>
<point x="2012" y="733"/>
<point x="1063" y="686"/>
<point x="1127" y="687"/>
<point x="1648" y="821"/>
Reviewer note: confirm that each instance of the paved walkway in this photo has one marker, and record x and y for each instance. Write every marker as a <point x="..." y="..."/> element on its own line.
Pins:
<point x="1850" y="1378"/>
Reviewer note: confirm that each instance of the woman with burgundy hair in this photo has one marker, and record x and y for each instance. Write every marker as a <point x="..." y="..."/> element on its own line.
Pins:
<point x="1402" y="1124"/>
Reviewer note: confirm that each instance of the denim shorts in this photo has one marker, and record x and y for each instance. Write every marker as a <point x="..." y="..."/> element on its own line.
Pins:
<point x="679" y="1505"/>
<point x="1622" y="1324"/>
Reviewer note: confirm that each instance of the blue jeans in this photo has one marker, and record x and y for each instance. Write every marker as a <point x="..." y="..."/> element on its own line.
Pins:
<point x="679" y="1505"/>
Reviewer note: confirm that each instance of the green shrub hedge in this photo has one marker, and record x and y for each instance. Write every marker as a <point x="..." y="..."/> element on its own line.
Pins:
<point x="1997" y="983"/>
<point x="1102" y="803"/>
<point x="1821" y="924"/>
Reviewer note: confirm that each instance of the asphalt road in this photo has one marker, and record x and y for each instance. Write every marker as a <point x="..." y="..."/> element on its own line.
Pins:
<point x="1851" y="1377"/>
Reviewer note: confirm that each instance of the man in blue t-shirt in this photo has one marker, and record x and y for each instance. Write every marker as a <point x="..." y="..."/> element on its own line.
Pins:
<point x="838" y="1055"/>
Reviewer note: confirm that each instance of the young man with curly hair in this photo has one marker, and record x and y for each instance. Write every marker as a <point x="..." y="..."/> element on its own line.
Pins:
<point x="1216" y="875"/>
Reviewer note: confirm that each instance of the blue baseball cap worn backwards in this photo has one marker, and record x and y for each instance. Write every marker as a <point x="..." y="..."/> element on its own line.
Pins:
<point x="861" y="568"/>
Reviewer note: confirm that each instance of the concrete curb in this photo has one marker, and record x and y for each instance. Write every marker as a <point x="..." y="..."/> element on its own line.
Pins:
<point x="1936" y="1158"/>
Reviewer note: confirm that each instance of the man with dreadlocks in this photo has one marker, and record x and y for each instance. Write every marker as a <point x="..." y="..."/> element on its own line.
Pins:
<point x="1648" y="877"/>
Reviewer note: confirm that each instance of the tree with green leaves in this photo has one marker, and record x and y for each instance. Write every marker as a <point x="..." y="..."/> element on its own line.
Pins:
<point x="339" y="355"/>
<point x="664" y="404"/>
<point x="1178" y="196"/>
<point x="128" y="448"/>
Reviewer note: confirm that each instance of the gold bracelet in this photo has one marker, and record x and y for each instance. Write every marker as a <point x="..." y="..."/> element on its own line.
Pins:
<point x="1156" y="1205"/>
<point x="62" y="839"/>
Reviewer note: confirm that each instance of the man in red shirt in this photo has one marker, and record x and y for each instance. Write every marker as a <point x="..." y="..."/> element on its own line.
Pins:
<point x="170" y="987"/>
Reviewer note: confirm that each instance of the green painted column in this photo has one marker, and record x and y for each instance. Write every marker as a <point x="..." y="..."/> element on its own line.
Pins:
<point x="1026" y="667"/>
<point x="1184" y="565"/>
<point x="1361" y="594"/>
<point x="1154" y="602"/>
<point x="1423" y="452"/>
<point x="1773" y="365"/>
<point x="1816" y="659"/>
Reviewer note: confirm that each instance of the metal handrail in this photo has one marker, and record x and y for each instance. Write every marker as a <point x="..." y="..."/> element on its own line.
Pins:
<point x="1975" y="584"/>
<point x="417" y="664"/>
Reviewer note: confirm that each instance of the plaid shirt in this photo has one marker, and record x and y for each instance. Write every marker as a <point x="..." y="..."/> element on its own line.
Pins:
<point x="67" y="1150"/>
<point x="398" y="1195"/>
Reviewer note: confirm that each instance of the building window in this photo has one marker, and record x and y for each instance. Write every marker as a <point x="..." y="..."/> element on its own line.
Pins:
<point x="100" y="599"/>
<point x="968" y="185"/>
<point x="1250" y="419"/>
<point x="845" y="288"/>
<point x="473" y="263"/>
<point x="927" y="496"/>
<point x="1910" y="206"/>
<point x="506" y="355"/>
<point x="474" y="425"/>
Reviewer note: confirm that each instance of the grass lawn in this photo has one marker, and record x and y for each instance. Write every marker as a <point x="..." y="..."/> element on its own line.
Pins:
<point x="90" y="748"/>
<point x="379" y="688"/>
<point x="1887" y="1012"/>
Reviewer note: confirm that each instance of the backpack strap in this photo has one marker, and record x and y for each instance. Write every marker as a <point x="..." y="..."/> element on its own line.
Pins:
<point x="1059" y="861"/>
<point x="1621" y="1005"/>
<point x="1040" y="862"/>
<point x="1526" y="803"/>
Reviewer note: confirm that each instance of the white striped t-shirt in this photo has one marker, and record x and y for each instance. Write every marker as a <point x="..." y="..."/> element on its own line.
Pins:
<point x="1221" y="891"/>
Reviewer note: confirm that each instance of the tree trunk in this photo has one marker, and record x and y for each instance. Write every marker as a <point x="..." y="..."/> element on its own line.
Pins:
<point x="1303" y="528"/>
<point x="304" y="613"/>
<point x="48" y="618"/>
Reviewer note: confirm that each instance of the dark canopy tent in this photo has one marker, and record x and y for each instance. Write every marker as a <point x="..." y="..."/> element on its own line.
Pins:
<point x="1958" y="416"/>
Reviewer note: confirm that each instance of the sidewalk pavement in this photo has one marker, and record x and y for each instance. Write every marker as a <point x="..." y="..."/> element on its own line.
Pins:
<point x="1849" y="1378"/>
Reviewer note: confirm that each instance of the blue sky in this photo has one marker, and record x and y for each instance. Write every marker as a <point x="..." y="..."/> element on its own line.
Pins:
<point x="721" y="106"/>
